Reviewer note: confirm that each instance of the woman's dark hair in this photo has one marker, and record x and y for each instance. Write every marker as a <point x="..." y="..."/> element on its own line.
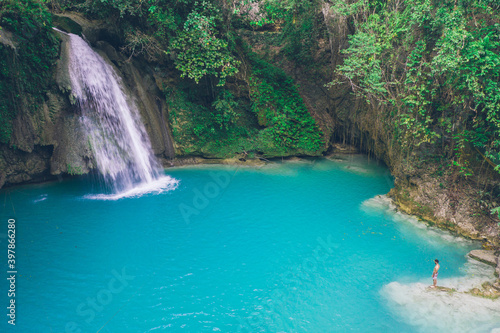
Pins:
<point x="436" y="261"/>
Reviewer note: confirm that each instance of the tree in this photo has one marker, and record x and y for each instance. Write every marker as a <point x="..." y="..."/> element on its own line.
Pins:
<point x="199" y="51"/>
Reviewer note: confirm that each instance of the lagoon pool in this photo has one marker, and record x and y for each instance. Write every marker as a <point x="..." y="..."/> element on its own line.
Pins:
<point x="307" y="246"/>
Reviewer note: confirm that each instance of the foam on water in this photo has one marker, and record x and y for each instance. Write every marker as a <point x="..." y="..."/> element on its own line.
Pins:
<point x="157" y="186"/>
<point x="432" y="310"/>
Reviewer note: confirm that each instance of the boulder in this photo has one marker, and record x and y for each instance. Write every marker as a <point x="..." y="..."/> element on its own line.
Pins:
<point x="92" y="30"/>
<point x="485" y="256"/>
<point x="66" y="24"/>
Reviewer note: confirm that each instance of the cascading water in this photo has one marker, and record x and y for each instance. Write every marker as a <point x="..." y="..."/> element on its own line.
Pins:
<point x="117" y="137"/>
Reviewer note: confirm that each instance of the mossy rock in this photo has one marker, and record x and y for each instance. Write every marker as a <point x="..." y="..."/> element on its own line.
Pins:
<point x="440" y="288"/>
<point x="67" y="25"/>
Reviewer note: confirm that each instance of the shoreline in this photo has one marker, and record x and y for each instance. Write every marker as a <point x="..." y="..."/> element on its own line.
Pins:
<point x="486" y="255"/>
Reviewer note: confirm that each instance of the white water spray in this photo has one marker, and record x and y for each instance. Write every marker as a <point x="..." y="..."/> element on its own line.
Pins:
<point x="116" y="135"/>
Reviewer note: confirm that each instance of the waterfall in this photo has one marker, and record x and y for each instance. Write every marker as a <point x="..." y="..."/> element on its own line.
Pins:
<point x="117" y="137"/>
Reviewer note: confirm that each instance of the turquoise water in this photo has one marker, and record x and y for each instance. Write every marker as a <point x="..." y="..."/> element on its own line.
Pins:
<point x="294" y="247"/>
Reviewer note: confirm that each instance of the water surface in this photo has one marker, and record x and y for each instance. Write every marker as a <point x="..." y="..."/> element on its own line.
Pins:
<point x="293" y="247"/>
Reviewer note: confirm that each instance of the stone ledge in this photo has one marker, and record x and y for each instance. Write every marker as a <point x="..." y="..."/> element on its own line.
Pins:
<point x="485" y="256"/>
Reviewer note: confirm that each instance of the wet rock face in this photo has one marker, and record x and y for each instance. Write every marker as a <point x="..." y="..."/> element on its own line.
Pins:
<point x="17" y="166"/>
<point x="67" y="24"/>
<point x="497" y="270"/>
<point x="139" y="80"/>
<point x="453" y="208"/>
<point x="93" y="30"/>
<point x="46" y="141"/>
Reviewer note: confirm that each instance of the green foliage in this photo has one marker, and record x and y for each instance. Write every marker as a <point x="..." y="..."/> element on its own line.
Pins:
<point x="104" y="9"/>
<point x="301" y="33"/>
<point x="192" y="32"/>
<point x="496" y="211"/>
<point x="435" y="66"/>
<point x="279" y="108"/>
<point x="274" y="122"/>
<point x="198" y="50"/>
<point x="221" y="129"/>
<point x="24" y="72"/>
<point x="225" y="110"/>
<point x="74" y="171"/>
<point x="299" y="24"/>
